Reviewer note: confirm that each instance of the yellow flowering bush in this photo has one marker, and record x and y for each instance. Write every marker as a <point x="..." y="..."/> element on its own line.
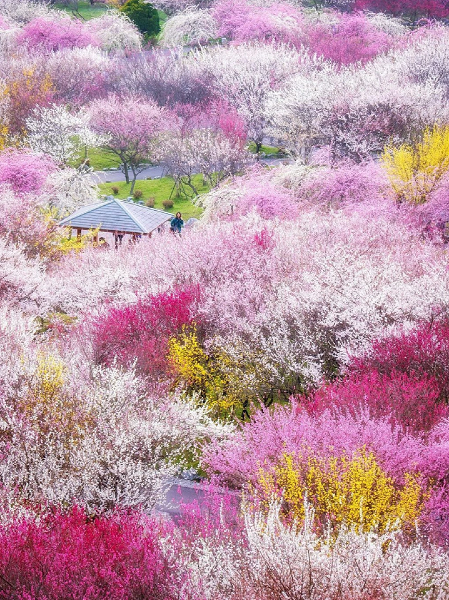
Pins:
<point x="29" y="89"/>
<point x="48" y="379"/>
<point x="47" y="405"/>
<point x="65" y="245"/>
<point x="414" y="170"/>
<point x="60" y="241"/>
<point x="231" y="380"/>
<point x="354" y="491"/>
<point x="197" y="372"/>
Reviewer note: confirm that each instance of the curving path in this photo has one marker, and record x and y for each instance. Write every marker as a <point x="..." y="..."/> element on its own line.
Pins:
<point x="157" y="172"/>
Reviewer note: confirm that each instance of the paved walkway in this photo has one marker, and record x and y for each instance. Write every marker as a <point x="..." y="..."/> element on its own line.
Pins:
<point x="157" y="172"/>
<point x="114" y="176"/>
<point x="183" y="491"/>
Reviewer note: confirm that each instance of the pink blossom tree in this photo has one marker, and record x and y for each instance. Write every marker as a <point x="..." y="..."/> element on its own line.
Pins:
<point x="254" y="193"/>
<point x="207" y="139"/>
<point x="165" y="79"/>
<point x="130" y="127"/>
<point x="23" y="222"/>
<point x="80" y="75"/>
<point x="247" y="21"/>
<point x="352" y="39"/>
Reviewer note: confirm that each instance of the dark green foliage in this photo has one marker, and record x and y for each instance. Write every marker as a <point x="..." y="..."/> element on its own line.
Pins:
<point x="143" y="15"/>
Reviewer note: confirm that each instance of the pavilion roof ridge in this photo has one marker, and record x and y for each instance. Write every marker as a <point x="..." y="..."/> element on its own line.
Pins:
<point x="129" y="213"/>
<point x="165" y="212"/>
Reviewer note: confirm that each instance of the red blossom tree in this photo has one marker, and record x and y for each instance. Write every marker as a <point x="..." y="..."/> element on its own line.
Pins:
<point x="140" y="332"/>
<point x="407" y="400"/>
<point x="71" y="555"/>
<point x="420" y="353"/>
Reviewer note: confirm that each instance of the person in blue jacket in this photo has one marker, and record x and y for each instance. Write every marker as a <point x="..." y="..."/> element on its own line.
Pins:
<point x="176" y="223"/>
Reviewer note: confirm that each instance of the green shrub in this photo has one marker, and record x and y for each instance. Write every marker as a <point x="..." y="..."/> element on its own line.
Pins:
<point x="114" y="189"/>
<point x="167" y="204"/>
<point x="143" y="15"/>
<point x="137" y="194"/>
<point x="150" y="202"/>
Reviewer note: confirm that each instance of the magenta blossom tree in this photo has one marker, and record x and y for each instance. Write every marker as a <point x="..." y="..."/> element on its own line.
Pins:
<point x="25" y="171"/>
<point x="50" y="35"/>
<point x="71" y="555"/>
<point x="415" y="8"/>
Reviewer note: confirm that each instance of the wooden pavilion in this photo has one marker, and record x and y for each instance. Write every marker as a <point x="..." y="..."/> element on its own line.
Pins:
<point x="117" y="216"/>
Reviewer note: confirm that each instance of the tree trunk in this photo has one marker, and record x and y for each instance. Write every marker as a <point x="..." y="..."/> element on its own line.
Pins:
<point x="133" y="183"/>
<point x="191" y="185"/>
<point x="126" y="171"/>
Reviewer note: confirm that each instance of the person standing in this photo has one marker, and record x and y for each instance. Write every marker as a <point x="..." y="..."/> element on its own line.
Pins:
<point x="177" y="223"/>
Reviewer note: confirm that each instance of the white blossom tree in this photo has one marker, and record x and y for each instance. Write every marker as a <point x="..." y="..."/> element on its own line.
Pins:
<point x="60" y="134"/>
<point x="192" y="26"/>
<point x="245" y="76"/>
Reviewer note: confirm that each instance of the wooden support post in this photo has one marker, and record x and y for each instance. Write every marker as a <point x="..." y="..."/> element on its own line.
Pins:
<point x="78" y="234"/>
<point x="96" y="239"/>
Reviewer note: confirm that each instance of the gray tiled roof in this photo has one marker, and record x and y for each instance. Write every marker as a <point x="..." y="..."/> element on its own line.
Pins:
<point x="117" y="215"/>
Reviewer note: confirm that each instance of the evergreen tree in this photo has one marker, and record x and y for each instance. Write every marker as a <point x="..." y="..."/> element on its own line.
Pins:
<point x="143" y="15"/>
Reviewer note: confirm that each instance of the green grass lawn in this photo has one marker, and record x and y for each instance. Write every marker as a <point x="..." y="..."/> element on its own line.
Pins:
<point x="99" y="159"/>
<point x="160" y="190"/>
<point x="162" y="17"/>
<point x="268" y="150"/>
<point x="85" y="9"/>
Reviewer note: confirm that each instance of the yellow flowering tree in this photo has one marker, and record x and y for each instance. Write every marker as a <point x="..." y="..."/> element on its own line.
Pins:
<point x="414" y="170"/>
<point x="355" y="492"/>
<point x="59" y="241"/>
